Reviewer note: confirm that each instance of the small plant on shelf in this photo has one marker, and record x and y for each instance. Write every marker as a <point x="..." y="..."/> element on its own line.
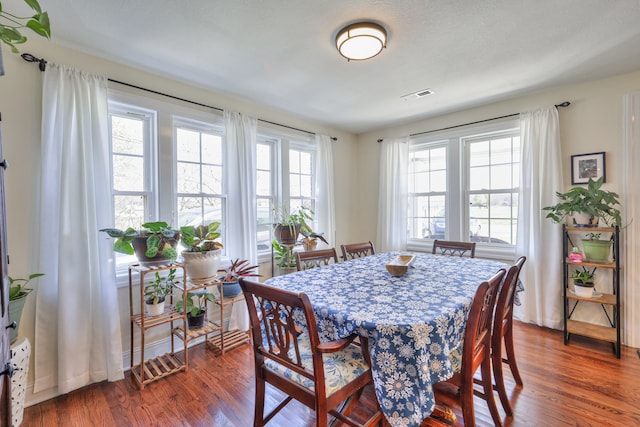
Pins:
<point x="583" y="276"/>
<point x="195" y="307"/>
<point x="159" y="288"/>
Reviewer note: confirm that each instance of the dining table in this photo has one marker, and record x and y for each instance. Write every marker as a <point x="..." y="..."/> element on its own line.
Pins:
<point x="411" y="322"/>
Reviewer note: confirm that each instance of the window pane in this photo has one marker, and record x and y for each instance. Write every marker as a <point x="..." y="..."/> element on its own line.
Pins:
<point x="305" y="185"/>
<point x="439" y="158"/>
<point x="439" y="181"/>
<point x="479" y="153"/>
<point x="188" y="145"/>
<point x="501" y="151"/>
<point x="188" y="178"/>
<point x="479" y="178"/>
<point x="294" y="161"/>
<point x="127" y="135"/>
<point x="129" y="211"/>
<point x="501" y="176"/>
<point x="212" y="179"/>
<point x="263" y="152"/>
<point x="420" y="183"/>
<point x="305" y="163"/>
<point x="211" y="149"/>
<point x="128" y="173"/>
<point x="263" y="187"/>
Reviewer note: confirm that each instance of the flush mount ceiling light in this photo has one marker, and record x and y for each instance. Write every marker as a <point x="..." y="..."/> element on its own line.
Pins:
<point x="362" y="40"/>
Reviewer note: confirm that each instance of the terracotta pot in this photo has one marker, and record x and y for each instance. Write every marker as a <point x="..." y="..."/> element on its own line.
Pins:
<point x="286" y="235"/>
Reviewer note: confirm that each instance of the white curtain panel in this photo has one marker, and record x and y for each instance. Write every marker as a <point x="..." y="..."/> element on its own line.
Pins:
<point x="77" y="329"/>
<point x="630" y="235"/>
<point x="325" y="216"/>
<point x="539" y="239"/>
<point x="242" y="241"/>
<point x="393" y="195"/>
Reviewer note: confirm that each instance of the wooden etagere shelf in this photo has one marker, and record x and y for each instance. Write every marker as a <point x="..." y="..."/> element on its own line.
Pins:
<point x="216" y="337"/>
<point x="146" y="371"/>
<point x="608" y="301"/>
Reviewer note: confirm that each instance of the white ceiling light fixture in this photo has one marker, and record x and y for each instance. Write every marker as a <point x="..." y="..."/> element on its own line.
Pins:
<point x="362" y="40"/>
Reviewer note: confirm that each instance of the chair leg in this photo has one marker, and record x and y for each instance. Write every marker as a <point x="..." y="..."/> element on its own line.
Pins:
<point x="487" y="389"/>
<point x="498" y="375"/>
<point x="511" y="355"/>
<point x="258" y="417"/>
<point x="466" y="401"/>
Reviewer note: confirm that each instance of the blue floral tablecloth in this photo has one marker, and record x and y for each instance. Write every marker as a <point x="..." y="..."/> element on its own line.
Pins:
<point x="412" y="322"/>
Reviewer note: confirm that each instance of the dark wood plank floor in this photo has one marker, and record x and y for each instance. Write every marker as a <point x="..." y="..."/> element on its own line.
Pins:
<point x="581" y="384"/>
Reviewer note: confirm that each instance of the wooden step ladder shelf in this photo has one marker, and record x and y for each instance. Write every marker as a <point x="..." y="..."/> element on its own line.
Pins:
<point x="146" y="371"/>
<point x="608" y="301"/>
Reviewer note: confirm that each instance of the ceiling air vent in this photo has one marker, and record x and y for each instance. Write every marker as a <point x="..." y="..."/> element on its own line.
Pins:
<point x="418" y="94"/>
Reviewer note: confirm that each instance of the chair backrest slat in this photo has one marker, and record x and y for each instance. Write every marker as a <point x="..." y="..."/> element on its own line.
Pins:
<point x="357" y="250"/>
<point x="449" y="247"/>
<point x="313" y="259"/>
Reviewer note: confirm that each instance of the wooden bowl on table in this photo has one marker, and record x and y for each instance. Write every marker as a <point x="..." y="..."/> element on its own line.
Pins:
<point x="399" y="265"/>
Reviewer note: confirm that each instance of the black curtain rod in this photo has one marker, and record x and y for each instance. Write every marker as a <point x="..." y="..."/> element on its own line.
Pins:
<point x="561" y="105"/>
<point x="42" y="64"/>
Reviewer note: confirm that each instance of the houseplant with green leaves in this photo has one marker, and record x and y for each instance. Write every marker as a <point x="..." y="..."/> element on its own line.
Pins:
<point x="237" y="269"/>
<point x="289" y="223"/>
<point x="153" y="244"/>
<point x="583" y="281"/>
<point x="156" y="291"/>
<point x="202" y="251"/>
<point x="596" y="205"/>
<point x="196" y="307"/>
<point x="19" y="290"/>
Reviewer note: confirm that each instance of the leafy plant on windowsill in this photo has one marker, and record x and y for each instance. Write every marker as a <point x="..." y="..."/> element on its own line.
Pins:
<point x="201" y="238"/>
<point x="159" y="236"/>
<point x="11" y="25"/>
<point x="283" y="216"/>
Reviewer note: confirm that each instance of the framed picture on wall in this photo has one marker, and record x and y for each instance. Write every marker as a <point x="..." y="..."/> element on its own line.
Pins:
<point x="585" y="166"/>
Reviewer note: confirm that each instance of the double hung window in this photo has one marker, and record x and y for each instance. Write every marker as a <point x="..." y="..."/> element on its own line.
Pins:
<point x="465" y="185"/>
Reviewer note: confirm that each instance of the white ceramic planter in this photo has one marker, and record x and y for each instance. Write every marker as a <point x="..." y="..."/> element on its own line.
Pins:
<point x="202" y="267"/>
<point x="155" y="309"/>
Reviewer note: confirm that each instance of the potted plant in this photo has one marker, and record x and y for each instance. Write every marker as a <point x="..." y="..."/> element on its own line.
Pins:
<point x="11" y="25"/>
<point x="18" y="291"/>
<point x="583" y="281"/>
<point x="310" y="239"/>
<point x="283" y="255"/>
<point x="587" y="205"/>
<point x="154" y="244"/>
<point x="156" y="291"/>
<point x="202" y="252"/>
<point x="237" y="269"/>
<point x="196" y="307"/>
<point x="595" y="249"/>
<point x="287" y="224"/>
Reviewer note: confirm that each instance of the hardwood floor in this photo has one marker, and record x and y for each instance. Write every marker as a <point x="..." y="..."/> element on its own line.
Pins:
<point x="581" y="384"/>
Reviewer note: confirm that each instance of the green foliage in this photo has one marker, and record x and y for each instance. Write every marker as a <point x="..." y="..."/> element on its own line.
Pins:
<point x="11" y="24"/>
<point x="196" y="302"/>
<point x="591" y="200"/>
<point x="583" y="276"/>
<point x="239" y="269"/>
<point x="201" y="238"/>
<point x="302" y="215"/>
<point x="594" y="236"/>
<point x="284" y="255"/>
<point x="158" y="235"/>
<point x="18" y="287"/>
<point x="157" y="290"/>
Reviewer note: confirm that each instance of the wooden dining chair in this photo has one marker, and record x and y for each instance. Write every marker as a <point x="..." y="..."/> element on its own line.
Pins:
<point x="475" y="353"/>
<point x="313" y="259"/>
<point x="503" y="331"/>
<point x="357" y="250"/>
<point x="449" y="247"/>
<point x="320" y="375"/>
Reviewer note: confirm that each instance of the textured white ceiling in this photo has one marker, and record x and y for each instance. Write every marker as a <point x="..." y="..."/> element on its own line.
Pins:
<point x="281" y="53"/>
